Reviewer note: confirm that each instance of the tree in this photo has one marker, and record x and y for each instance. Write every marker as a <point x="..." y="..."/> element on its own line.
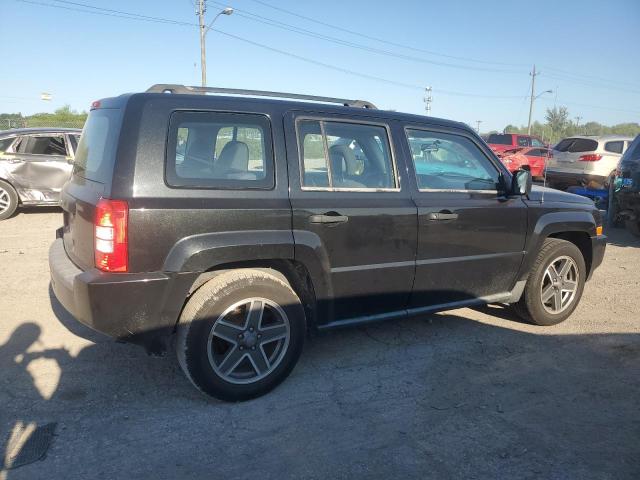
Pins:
<point x="556" y="118"/>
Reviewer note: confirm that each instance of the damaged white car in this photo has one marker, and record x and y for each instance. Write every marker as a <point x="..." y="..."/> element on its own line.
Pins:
<point x="34" y="165"/>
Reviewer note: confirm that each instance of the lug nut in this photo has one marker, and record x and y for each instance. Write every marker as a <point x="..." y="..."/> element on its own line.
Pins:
<point x="251" y="329"/>
<point x="253" y="348"/>
<point x="241" y="348"/>
<point x="241" y="336"/>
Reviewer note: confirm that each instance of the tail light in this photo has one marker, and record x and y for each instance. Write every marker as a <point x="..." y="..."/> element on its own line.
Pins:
<point x="593" y="157"/>
<point x="111" y="244"/>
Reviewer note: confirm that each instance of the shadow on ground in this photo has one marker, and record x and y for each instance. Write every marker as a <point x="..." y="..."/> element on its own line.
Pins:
<point x="439" y="396"/>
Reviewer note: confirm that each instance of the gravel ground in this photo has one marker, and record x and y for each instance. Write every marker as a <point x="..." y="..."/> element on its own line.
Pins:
<point x="462" y="394"/>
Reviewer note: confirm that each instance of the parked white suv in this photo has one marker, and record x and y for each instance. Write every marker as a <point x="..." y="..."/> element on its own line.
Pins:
<point x="585" y="160"/>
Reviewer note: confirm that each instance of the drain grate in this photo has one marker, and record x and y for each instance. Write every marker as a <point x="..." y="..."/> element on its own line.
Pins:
<point x="28" y="443"/>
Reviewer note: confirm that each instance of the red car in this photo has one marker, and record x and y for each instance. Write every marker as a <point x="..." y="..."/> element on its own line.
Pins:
<point x="535" y="157"/>
<point x="499" y="142"/>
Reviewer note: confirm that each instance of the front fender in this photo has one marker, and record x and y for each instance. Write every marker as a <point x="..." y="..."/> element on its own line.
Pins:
<point x="553" y="223"/>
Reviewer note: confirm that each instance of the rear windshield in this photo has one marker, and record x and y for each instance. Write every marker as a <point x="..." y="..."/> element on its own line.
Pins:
<point x="577" y="145"/>
<point x="499" y="139"/>
<point x="96" y="151"/>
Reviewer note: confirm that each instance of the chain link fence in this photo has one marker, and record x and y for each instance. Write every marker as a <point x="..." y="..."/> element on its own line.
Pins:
<point x="8" y="123"/>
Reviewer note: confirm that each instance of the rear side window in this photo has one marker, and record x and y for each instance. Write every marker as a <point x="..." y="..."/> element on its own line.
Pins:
<point x="42" y="145"/>
<point x="500" y="139"/>
<point x="219" y="150"/>
<point x="95" y="154"/>
<point x="6" y="143"/>
<point x="614" y="147"/>
<point x="348" y="156"/>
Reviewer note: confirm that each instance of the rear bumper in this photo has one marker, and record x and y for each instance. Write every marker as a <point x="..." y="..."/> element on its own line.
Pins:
<point x="598" y="246"/>
<point x="140" y="308"/>
<point x="572" y="178"/>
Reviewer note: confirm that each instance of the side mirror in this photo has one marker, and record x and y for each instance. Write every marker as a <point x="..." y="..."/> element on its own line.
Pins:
<point x="521" y="182"/>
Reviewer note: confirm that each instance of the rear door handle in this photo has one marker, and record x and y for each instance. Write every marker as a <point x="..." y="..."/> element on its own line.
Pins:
<point x="445" y="215"/>
<point x="329" y="218"/>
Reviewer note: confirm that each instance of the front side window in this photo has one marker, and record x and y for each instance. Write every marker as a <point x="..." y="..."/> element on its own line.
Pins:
<point x="340" y="155"/>
<point x="219" y="150"/>
<point x="42" y="145"/>
<point x="536" y="143"/>
<point x="524" y="141"/>
<point x="450" y="162"/>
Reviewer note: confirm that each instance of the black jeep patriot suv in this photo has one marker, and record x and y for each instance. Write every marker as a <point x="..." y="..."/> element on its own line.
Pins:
<point x="230" y="225"/>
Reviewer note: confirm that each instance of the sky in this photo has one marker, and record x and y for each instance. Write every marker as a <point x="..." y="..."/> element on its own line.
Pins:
<point x="476" y="55"/>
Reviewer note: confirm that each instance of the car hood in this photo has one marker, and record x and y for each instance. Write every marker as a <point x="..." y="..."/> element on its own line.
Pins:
<point x="553" y="195"/>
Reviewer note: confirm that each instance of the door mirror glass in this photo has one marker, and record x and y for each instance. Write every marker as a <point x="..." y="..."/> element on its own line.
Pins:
<point x="521" y="182"/>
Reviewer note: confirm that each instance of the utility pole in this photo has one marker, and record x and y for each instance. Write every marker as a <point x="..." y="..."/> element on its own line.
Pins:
<point x="428" y="98"/>
<point x="478" y="122"/>
<point x="533" y="88"/>
<point x="203" y="49"/>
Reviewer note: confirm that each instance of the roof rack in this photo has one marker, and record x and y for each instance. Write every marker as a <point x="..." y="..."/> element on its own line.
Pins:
<point x="183" y="89"/>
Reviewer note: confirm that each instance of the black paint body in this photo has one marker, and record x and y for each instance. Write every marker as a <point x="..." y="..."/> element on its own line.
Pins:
<point x="389" y="260"/>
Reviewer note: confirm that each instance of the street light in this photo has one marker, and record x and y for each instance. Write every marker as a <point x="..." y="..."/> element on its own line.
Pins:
<point x="204" y="29"/>
<point x="533" y="98"/>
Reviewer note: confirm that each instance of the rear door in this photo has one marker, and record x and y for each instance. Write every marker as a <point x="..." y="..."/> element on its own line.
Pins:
<point x="350" y="205"/>
<point x="41" y="166"/>
<point x="91" y="179"/>
<point x="566" y="155"/>
<point x="470" y="237"/>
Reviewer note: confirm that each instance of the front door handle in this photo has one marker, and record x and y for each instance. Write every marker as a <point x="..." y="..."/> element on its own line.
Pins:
<point x="329" y="218"/>
<point x="444" y="215"/>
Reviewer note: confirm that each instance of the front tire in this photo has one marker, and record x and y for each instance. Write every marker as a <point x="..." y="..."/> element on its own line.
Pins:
<point x="555" y="284"/>
<point x="241" y="334"/>
<point x="8" y="200"/>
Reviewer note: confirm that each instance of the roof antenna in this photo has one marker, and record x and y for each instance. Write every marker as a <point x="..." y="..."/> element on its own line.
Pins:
<point x="546" y="163"/>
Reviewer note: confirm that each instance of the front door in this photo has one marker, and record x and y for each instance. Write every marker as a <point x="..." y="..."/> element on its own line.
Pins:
<point x="350" y="207"/>
<point x="470" y="238"/>
<point x="41" y="166"/>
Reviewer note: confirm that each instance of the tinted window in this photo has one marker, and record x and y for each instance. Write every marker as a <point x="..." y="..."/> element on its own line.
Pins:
<point x="95" y="154"/>
<point x="6" y="143"/>
<point x="42" y="145"/>
<point x="500" y="139"/>
<point x="536" y="143"/>
<point x="583" y="145"/>
<point x="633" y="152"/>
<point x="450" y="162"/>
<point x="355" y="156"/>
<point x="524" y="141"/>
<point x="74" y="139"/>
<point x="219" y="150"/>
<point x="614" y="147"/>
<point x="564" y="144"/>
<point x="537" y="152"/>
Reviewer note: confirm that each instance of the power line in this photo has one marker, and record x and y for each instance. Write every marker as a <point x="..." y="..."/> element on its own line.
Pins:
<point x="381" y="40"/>
<point x="302" y="31"/>
<point x="589" y="83"/>
<point x="133" y="16"/>
<point x="582" y="76"/>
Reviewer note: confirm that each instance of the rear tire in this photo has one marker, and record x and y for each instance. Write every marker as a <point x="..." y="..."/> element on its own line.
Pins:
<point x="240" y="334"/>
<point x="8" y="200"/>
<point x="551" y="295"/>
